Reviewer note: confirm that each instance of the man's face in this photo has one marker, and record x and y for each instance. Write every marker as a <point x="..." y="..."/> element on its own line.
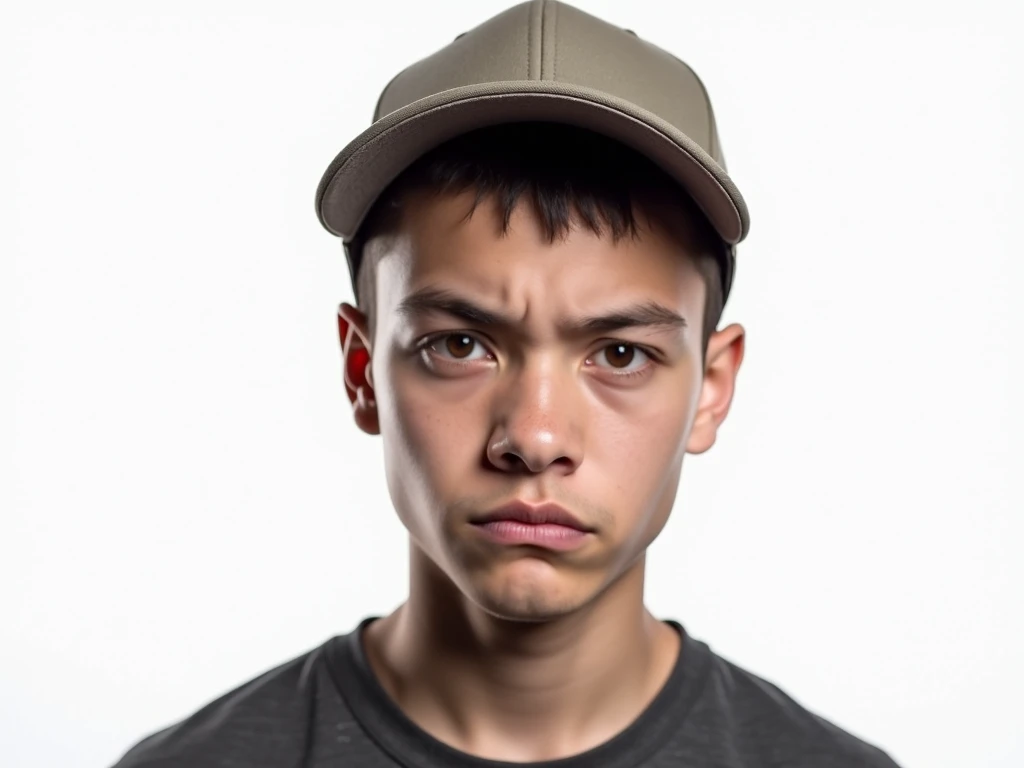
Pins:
<point x="508" y="369"/>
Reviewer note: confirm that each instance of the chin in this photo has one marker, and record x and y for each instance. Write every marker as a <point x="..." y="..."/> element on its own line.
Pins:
<point x="526" y="609"/>
<point x="527" y="591"/>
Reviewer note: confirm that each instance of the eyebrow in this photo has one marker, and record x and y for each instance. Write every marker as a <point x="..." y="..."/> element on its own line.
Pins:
<point x="649" y="314"/>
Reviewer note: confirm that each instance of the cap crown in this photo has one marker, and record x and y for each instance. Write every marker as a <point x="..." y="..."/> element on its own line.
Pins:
<point x="549" y="40"/>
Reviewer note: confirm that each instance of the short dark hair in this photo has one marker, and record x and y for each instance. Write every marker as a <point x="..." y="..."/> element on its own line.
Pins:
<point x="569" y="174"/>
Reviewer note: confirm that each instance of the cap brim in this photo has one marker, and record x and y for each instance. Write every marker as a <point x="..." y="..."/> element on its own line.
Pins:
<point x="363" y="169"/>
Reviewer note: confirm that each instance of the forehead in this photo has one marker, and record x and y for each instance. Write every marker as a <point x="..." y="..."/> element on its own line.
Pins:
<point x="450" y="241"/>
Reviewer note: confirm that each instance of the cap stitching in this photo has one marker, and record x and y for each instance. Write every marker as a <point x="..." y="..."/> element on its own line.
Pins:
<point x="529" y="44"/>
<point x="543" y="13"/>
<point x="554" y="41"/>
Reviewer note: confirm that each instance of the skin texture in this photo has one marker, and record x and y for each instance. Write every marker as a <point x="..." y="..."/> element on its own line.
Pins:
<point x="515" y="652"/>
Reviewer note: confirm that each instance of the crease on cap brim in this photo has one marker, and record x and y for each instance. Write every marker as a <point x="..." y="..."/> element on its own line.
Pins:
<point x="364" y="168"/>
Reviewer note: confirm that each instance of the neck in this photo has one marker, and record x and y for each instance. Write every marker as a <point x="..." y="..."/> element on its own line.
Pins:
<point x="520" y="691"/>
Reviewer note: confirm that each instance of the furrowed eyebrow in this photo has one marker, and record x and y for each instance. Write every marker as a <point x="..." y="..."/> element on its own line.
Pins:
<point x="436" y="300"/>
<point x="642" y="315"/>
<point x="646" y="315"/>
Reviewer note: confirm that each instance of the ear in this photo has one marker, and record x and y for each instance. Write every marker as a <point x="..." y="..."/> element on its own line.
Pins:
<point x="353" y="333"/>
<point x="721" y="365"/>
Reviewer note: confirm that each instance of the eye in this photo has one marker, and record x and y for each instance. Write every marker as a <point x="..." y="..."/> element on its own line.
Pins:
<point x="457" y="346"/>
<point x="622" y="358"/>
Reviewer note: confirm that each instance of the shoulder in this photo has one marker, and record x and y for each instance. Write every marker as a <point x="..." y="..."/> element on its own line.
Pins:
<point x="261" y="722"/>
<point x="770" y="727"/>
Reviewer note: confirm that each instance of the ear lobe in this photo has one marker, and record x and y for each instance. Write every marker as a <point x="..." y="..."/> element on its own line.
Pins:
<point x="357" y="376"/>
<point x="722" y="364"/>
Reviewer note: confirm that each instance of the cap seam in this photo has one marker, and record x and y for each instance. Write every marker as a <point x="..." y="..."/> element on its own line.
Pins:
<point x="529" y="44"/>
<point x="554" y="41"/>
<point x="543" y="13"/>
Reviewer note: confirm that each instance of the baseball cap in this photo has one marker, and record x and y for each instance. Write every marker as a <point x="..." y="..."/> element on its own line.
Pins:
<point x="541" y="61"/>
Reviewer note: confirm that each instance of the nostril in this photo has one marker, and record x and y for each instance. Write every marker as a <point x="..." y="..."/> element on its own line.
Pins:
<point x="512" y="460"/>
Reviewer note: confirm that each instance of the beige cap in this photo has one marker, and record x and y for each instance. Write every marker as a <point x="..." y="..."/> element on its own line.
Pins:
<point x="541" y="61"/>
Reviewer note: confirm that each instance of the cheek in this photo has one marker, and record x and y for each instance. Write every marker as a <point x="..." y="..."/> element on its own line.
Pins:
<point x="639" y="450"/>
<point x="635" y="455"/>
<point x="432" y="437"/>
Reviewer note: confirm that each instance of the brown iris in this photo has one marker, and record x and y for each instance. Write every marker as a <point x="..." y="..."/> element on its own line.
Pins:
<point x="459" y="346"/>
<point x="620" y="355"/>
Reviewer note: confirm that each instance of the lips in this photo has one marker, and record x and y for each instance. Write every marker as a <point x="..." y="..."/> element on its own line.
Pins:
<point x="547" y="526"/>
<point x="542" y="514"/>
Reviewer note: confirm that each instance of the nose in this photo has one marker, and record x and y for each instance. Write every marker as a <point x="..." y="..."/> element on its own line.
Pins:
<point x="537" y="424"/>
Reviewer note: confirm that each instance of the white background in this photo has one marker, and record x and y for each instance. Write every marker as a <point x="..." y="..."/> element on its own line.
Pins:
<point x="186" y="502"/>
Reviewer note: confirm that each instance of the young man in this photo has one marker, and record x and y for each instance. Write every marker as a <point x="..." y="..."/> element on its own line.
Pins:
<point x="541" y="236"/>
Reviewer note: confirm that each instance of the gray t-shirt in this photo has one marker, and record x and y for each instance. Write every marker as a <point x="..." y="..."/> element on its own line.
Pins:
<point x="325" y="709"/>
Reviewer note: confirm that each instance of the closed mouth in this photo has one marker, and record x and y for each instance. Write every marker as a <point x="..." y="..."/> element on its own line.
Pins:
<point x="540" y="514"/>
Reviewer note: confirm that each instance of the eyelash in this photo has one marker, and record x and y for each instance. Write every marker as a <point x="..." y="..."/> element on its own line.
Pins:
<point x="425" y="345"/>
